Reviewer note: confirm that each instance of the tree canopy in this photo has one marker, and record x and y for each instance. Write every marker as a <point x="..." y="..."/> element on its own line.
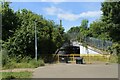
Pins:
<point x="111" y="15"/>
<point x="19" y="33"/>
<point x="9" y="23"/>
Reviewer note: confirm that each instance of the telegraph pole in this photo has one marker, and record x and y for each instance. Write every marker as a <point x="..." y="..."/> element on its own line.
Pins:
<point x="60" y="23"/>
<point x="35" y="42"/>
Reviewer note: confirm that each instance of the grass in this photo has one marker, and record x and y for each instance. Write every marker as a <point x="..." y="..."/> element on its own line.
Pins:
<point x="30" y="64"/>
<point x="14" y="75"/>
<point x="13" y="61"/>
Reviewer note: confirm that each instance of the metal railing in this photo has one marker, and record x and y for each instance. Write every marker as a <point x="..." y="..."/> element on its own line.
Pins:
<point x="98" y="43"/>
<point x="88" y="58"/>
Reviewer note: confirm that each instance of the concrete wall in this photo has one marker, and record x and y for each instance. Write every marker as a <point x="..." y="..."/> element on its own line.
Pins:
<point x="83" y="50"/>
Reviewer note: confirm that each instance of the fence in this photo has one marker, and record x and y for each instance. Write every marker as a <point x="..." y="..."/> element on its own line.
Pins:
<point x="100" y="44"/>
<point x="88" y="58"/>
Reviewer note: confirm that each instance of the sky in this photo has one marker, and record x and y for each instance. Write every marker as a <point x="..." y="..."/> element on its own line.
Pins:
<point x="71" y="13"/>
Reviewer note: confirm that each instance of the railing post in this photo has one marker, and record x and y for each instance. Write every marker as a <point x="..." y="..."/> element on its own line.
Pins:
<point x="73" y="57"/>
<point x="58" y="58"/>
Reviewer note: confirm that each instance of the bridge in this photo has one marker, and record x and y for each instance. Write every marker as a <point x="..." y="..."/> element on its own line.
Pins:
<point x="89" y="54"/>
<point x="88" y="50"/>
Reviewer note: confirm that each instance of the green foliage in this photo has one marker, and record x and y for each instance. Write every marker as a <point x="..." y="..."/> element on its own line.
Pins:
<point x="9" y="23"/>
<point x="23" y="63"/>
<point x="14" y="75"/>
<point x="37" y="63"/>
<point x="30" y="64"/>
<point x="107" y="28"/>
<point x="114" y="59"/>
<point x="4" y="57"/>
<point x="97" y="30"/>
<point x="74" y="29"/>
<point x="22" y="39"/>
<point x="66" y="37"/>
<point x="79" y="32"/>
<point x="84" y="31"/>
<point x="111" y="15"/>
<point x="19" y="31"/>
<point x="84" y="23"/>
<point x="73" y="32"/>
<point x="9" y="62"/>
<point x="116" y="48"/>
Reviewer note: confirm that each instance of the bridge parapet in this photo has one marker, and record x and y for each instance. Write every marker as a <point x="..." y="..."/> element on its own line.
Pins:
<point x="88" y="58"/>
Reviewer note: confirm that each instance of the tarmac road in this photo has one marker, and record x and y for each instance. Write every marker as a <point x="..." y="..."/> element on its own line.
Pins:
<point x="63" y="70"/>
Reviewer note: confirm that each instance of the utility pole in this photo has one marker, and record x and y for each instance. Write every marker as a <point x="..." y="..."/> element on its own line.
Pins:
<point x="35" y="42"/>
<point x="60" y="23"/>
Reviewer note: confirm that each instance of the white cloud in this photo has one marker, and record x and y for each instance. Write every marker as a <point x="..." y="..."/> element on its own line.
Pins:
<point x="52" y="10"/>
<point x="66" y="15"/>
<point x="73" y="17"/>
<point x="91" y="14"/>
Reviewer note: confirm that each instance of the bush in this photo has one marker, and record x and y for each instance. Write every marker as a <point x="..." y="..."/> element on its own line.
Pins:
<point x="5" y="57"/>
<point x="36" y="63"/>
<point x="31" y="64"/>
<point x="14" y="61"/>
<point x="116" y="48"/>
<point x="26" y="59"/>
<point x="113" y="59"/>
<point x="19" y="62"/>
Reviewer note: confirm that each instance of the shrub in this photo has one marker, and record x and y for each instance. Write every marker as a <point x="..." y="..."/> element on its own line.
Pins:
<point x="9" y="62"/>
<point x="26" y="59"/>
<point x="36" y="63"/>
<point x="5" y="57"/>
<point x="18" y="62"/>
<point x="113" y="59"/>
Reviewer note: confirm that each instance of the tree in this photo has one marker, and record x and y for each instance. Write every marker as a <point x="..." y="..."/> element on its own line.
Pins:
<point x="84" y="27"/>
<point x="9" y="21"/>
<point x="84" y="23"/>
<point x="49" y="35"/>
<point x="111" y="15"/>
<point x="97" y="30"/>
<point x="73" y="32"/>
<point x="84" y="30"/>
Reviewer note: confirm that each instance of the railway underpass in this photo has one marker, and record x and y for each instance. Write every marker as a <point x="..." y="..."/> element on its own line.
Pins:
<point x="77" y="50"/>
<point x="96" y="65"/>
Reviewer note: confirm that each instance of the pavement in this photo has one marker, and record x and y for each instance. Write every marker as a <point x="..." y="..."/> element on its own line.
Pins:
<point x="19" y="70"/>
<point x="63" y="70"/>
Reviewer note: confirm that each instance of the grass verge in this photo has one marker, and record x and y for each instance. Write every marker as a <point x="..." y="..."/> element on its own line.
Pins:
<point x="23" y="64"/>
<point x="15" y="75"/>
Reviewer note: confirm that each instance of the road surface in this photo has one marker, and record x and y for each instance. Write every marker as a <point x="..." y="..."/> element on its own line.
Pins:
<point x="63" y="70"/>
